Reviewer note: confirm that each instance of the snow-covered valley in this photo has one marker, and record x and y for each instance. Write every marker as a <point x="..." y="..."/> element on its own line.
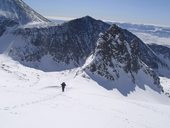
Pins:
<point x="31" y="98"/>
<point x="113" y="77"/>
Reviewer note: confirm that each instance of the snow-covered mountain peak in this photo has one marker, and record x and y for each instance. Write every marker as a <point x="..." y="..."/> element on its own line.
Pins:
<point x="117" y="60"/>
<point x="112" y="48"/>
<point x="19" y="11"/>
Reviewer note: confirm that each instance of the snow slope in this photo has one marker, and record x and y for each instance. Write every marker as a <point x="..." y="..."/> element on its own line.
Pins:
<point x="31" y="98"/>
<point x="19" y="11"/>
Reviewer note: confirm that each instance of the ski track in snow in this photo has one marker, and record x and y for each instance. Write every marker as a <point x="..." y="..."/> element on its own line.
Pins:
<point x="30" y="94"/>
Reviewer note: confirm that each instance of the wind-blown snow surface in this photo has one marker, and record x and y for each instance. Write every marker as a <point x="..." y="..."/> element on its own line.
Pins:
<point x="31" y="98"/>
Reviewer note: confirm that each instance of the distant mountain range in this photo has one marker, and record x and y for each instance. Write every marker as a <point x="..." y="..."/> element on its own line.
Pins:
<point x="150" y="29"/>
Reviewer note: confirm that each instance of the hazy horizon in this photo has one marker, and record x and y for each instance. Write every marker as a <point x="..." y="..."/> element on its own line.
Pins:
<point x="130" y="11"/>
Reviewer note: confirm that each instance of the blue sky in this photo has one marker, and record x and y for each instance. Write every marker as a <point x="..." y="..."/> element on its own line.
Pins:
<point x="133" y="11"/>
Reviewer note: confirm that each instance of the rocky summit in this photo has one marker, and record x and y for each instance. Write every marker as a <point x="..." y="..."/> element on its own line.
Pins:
<point x="116" y="59"/>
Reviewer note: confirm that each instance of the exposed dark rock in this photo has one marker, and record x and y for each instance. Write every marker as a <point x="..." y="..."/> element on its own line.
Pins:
<point x="115" y="57"/>
<point x="70" y="42"/>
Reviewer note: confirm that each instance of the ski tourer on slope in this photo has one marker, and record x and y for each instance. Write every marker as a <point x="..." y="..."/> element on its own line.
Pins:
<point x="63" y="85"/>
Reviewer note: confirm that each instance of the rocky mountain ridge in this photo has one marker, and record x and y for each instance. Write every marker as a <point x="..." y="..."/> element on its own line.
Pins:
<point x="115" y="58"/>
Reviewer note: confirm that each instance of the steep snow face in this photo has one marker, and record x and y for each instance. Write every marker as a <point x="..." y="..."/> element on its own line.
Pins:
<point x="116" y="59"/>
<point x="20" y="12"/>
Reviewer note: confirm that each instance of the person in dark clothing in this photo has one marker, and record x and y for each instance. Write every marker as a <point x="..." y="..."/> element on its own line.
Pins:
<point x="63" y="85"/>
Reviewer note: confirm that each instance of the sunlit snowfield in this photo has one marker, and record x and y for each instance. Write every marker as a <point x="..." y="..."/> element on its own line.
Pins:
<point x="31" y="98"/>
